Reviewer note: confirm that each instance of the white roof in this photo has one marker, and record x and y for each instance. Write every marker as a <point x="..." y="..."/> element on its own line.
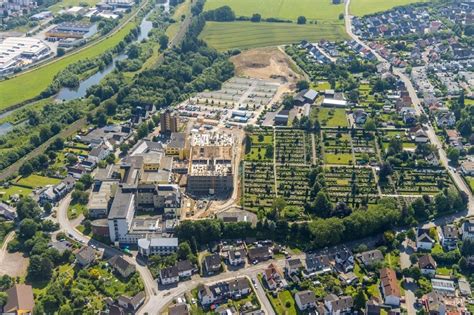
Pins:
<point x="13" y="47"/>
<point x="331" y="101"/>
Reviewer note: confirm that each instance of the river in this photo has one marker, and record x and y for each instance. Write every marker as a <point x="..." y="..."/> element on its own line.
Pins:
<point x="68" y="94"/>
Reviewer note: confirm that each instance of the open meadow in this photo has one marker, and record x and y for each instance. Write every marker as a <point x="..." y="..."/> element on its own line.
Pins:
<point x="320" y="10"/>
<point x="30" y="84"/>
<point x="364" y="7"/>
<point x="245" y="35"/>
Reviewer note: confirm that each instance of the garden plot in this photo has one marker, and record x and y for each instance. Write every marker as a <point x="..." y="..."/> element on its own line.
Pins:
<point x="290" y="146"/>
<point x="337" y="147"/>
<point x="420" y="181"/>
<point x="354" y="186"/>
<point x="388" y="135"/>
<point x="258" y="185"/>
<point x="364" y="147"/>
<point x="259" y="146"/>
<point x="292" y="184"/>
<point x="241" y="93"/>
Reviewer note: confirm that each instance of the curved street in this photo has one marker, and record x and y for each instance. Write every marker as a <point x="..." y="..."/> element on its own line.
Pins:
<point x="458" y="180"/>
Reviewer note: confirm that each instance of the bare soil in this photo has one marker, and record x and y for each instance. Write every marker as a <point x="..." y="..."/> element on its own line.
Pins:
<point x="14" y="265"/>
<point x="266" y="63"/>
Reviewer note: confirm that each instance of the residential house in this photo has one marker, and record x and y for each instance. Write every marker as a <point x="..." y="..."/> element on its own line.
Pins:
<point x="433" y="303"/>
<point x="317" y="264"/>
<point x="121" y="266"/>
<point x="273" y="277"/>
<point x="157" y="245"/>
<point x="369" y="258"/>
<point x="427" y="265"/>
<point x="85" y="256"/>
<point x="212" y="264"/>
<point x="420" y="136"/>
<point x="222" y="291"/>
<point x="467" y="168"/>
<point x="305" y="300"/>
<point x="344" y="260"/>
<point x="389" y="287"/>
<point x="468" y="230"/>
<point x="20" y="300"/>
<point x="132" y="303"/>
<point x="185" y="268"/>
<point x="360" y="116"/>
<point x="464" y="287"/>
<point x="7" y="211"/>
<point x="448" y="236"/>
<point x="293" y="265"/>
<point x="99" y="153"/>
<point x="236" y="257"/>
<point x="443" y="287"/>
<point x="55" y="193"/>
<point x="338" y="304"/>
<point x="169" y="275"/>
<point x="423" y="239"/>
<point x="178" y="309"/>
<point x="445" y="119"/>
<point x="454" y="139"/>
<point x="258" y="254"/>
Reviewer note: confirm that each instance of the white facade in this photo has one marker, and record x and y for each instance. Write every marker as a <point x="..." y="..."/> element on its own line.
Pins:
<point x="119" y="226"/>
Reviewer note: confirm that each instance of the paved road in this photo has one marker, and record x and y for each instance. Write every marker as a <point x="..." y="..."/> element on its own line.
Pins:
<point x="3" y="249"/>
<point x="166" y="295"/>
<point x="419" y="110"/>
<point x="67" y="227"/>
<point x="410" y="285"/>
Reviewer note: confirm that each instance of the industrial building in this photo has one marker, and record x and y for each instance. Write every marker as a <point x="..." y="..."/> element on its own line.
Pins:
<point x="120" y="3"/>
<point x="210" y="167"/>
<point x="17" y="52"/>
<point x="69" y="30"/>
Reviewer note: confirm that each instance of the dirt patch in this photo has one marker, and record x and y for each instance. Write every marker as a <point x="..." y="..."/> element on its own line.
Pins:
<point x="14" y="265"/>
<point x="266" y="63"/>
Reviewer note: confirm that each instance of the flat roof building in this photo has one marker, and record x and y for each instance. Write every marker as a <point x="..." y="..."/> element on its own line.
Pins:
<point x="20" y="51"/>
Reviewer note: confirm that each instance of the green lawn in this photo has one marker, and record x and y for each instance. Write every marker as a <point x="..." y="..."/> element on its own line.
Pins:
<point x="280" y="303"/>
<point x="364" y="7"/>
<point x="329" y="117"/>
<point x="284" y="9"/>
<point x="244" y="35"/>
<point x="340" y="158"/>
<point x="75" y="210"/>
<point x="470" y="181"/>
<point x="6" y="193"/>
<point x="64" y="4"/>
<point x="34" y="181"/>
<point x="29" y="85"/>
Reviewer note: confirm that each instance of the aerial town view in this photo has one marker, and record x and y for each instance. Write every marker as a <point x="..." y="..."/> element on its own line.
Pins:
<point x="259" y="157"/>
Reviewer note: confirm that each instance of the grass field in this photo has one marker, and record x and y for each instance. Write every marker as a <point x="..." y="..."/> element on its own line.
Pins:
<point x="280" y="303"/>
<point x="470" y="181"/>
<point x="71" y="3"/>
<point x="340" y="158"/>
<point x="285" y="9"/>
<point x="31" y="84"/>
<point x="6" y="193"/>
<point x="329" y="117"/>
<point x="364" y="7"/>
<point x="34" y="181"/>
<point x="244" y="35"/>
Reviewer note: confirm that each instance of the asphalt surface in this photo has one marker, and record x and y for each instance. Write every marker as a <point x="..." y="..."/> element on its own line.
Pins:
<point x="419" y="110"/>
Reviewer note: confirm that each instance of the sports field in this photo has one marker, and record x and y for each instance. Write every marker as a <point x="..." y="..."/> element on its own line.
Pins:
<point x="244" y="35"/>
<point x="29" y="85"/>
<point x="285" y="9"/>
<point x="364" y="7"/>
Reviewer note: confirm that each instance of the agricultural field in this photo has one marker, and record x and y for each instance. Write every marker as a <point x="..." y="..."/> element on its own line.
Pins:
<point x="365" y="7"/>
<point x="320" y="10"/>
<point x="245" y="35"/>
<point x="290" y="146"/>
<point x="420" y="181"/>
<point x="258" y="185"/>
<point x="332" y="117"/>
<point x="337" y="148"/>
<point x="354" y="186"/>
<point x="30" y="84"/>
<point x="364" y="146"/>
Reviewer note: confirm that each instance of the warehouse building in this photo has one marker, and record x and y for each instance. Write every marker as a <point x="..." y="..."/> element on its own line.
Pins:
<point x="17" y="52"/>
<point x="69" y="30"/>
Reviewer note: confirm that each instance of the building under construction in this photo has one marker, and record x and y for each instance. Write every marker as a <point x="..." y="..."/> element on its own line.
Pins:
<point x="210" y="166"/>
